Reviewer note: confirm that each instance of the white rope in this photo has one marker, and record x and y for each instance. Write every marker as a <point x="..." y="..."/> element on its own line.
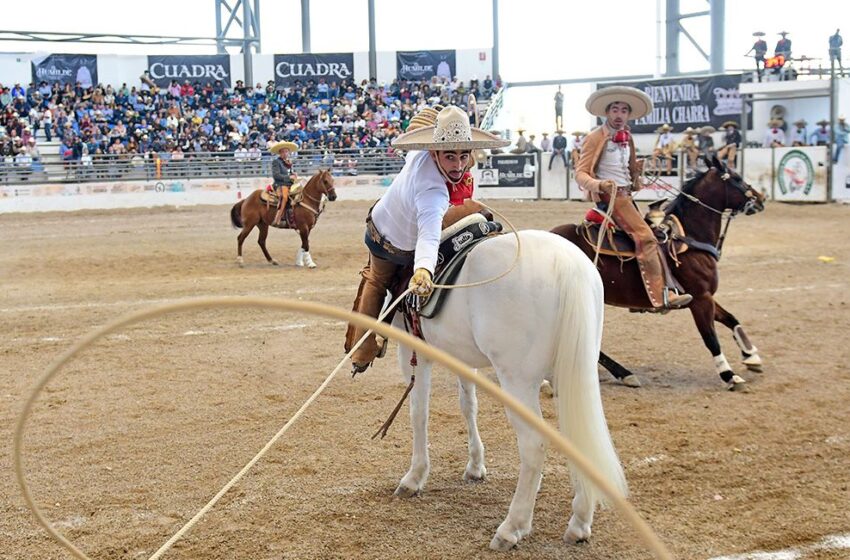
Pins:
<point x="557" y="440"/>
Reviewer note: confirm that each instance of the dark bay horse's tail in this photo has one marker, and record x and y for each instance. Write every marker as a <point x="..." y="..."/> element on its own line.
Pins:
<point x="236" y="214"/>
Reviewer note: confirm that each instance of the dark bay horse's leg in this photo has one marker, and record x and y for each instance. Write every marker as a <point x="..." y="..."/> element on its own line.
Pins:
<point x="628" y="378"/>
<point x="247" y="227"/>
<point x="749" y="352"/>
<point x="703" y="311"/>
<point x="264" y="232"/>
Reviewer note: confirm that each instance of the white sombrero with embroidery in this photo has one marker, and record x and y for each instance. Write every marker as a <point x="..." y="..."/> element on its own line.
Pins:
<point x="600" y="99"/>
<point x="451" y="131"/>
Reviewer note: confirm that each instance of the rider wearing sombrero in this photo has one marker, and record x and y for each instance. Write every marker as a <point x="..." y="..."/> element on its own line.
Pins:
<point x="609" y="171"/>
<point x="404" y="226"/>
<point x="282" y="175"/>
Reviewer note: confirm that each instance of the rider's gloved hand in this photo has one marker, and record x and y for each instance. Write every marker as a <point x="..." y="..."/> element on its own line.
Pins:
<point x="421" y="283"/>
<point x="607" y="186"/>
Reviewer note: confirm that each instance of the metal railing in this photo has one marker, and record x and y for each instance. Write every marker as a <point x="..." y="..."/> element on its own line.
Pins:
<point x="128" y="167"/>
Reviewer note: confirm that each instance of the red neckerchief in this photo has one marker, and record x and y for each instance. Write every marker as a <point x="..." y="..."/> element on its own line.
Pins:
<point x="461" y="191"/>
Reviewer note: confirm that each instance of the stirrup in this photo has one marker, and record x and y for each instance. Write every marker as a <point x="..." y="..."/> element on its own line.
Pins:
<point x="675" y="300"/>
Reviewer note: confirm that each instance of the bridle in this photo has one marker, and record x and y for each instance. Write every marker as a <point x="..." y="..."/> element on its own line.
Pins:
<point x="748" y="207"/>
<point x="305" y="194"/>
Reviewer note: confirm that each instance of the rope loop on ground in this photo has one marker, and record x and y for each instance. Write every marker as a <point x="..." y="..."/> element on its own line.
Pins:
<point x="551" y="434"/>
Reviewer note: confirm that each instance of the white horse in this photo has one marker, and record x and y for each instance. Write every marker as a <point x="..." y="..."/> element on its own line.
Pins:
<point x="541" y="321"/>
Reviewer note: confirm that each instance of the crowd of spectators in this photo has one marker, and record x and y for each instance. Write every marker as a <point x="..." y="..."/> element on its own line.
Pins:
<point x="146" y="122"/>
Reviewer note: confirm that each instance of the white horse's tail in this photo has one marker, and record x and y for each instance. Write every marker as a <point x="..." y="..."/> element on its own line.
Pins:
<point x="575" y="374"/>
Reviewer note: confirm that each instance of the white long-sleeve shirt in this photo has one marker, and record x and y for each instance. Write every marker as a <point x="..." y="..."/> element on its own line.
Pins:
<point x="410" y="214"/>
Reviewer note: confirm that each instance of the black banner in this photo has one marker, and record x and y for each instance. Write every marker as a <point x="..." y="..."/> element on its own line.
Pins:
<point x="423" y="65"/>
<point x="195" y="68"/>
<point x="509" y="170"/>
<point x="65" y="69"/>
<point x="684" y="102"/>
<point x="333" y="67"/>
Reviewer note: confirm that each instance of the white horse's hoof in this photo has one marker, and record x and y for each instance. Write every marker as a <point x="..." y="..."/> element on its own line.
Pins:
<point x="473" y="475"/>
<point x="631" y="380"/>
<point x="406" y="492"/>
<point x="502" y="544"/>
<point x="738" y="384"/>
<point x="576" y="535"/>
<point x="311" y="265"/>
<point x="546" y="389"/>
<point x="308" y="260"/>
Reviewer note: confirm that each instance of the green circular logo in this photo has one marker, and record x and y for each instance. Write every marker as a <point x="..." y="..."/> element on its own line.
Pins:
<point x="796" y="173"/>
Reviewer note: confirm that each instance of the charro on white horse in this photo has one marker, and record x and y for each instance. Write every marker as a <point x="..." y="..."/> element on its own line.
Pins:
<point x="543" y="320"/>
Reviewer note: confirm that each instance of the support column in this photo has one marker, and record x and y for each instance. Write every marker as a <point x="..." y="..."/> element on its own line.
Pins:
<point x="373" y="57"/>
<point x="718" y="14"/>
<point x="247" y="60"/>
<point x="495" y="53"/>
<point x="305" y="26"/>
<point x="672" y="36"/>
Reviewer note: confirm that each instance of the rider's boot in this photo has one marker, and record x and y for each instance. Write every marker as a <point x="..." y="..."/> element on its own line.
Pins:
<point x="377" y="277"/>
<point x="284" y="199"/>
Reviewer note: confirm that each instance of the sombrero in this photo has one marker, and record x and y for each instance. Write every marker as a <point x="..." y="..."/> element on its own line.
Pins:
<point x="707" y="129"/>
<point x="278" y="146"/>
<point x="559" y="131"/>
<point x="822" y="122"/>
<point x="578" y="133"/>
<point x="600" y="99"/>
<point x="729" y="123"/>
<point x="451" y="131"/>
<point x="801" y="122"/>
<point x="759" y="34"/>
<point x="689" y="130"/>
<point x="425" y="117"/>
<point x="664" y="128"/>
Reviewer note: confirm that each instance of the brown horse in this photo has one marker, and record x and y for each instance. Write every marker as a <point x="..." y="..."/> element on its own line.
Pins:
<point x="252" y="211"/>
<point x="700" y="207"/>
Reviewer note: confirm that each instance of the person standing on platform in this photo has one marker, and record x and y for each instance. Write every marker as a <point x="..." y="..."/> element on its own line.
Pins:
<point x="759" y="49"/>
<point x="835" y="42"/>
<point x="559" y="108"/>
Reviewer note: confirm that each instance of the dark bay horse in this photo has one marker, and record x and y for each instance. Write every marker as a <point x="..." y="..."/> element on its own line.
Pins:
<point x="700" y="207"/>
<point x="252" y="211"/>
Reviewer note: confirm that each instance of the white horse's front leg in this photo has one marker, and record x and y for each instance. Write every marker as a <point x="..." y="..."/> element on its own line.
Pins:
<point x="532" y="451"/>
<point x="475" y="469"/>
<point x="420" y="465"/>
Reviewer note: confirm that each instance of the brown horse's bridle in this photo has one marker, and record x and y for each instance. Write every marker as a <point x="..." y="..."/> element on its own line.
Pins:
<point x="748" y="207"/>
<point x="316" y="211"/>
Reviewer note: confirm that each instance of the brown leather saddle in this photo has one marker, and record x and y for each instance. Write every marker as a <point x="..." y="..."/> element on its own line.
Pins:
<point x="668" y="230"/>
<point x="296" y="195"/>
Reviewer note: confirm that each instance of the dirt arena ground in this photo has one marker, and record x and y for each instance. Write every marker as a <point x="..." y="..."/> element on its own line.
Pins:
<point x="137" y="434"/>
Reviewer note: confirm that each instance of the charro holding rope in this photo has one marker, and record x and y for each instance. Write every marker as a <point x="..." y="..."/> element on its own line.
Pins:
<point x="403" y="228"/>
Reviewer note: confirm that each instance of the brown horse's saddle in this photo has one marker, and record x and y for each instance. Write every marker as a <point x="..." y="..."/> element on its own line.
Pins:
<point x="668" y="230"/>
<point x="270" y="197"/>
<point x="296" y="195"/>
